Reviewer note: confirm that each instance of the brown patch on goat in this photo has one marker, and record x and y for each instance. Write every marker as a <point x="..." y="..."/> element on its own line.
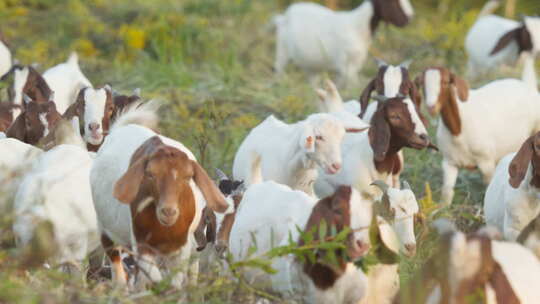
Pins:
<point x="335" y="211"/>
<point x="447" y="99"/>
<point x="391" y="130"/>
<point x="519" y="35"/>
<point x="121" y="102"/>
<point x="36" y="87"/>
<point x="388" y="11"/>
<point x="28" y="127"/>
<point x="6" y="115"/>
<point x="529" y="153"/>
<point x="114" y="254"/>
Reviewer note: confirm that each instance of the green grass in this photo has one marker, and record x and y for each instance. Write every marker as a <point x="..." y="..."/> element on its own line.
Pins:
<point x="210" y="61"/>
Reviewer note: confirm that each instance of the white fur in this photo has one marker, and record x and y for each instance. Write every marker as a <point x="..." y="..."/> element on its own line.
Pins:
<point x="45" y="122"/>
<point x="94" y="110"/>
<point x="19" y="80"/>
<point x="392" y="79"/>
<point x="65" y="80"/>
<point x="5" y="59"/>
<point x="316" y="38"/>
<point x="287" y="156"/>
<point x="432" y="87"/>
<point x="483" y="37"/>
<point x="114" y="217"/>
<point x="261" y="218"/>
<point x="507" y="99"/>
<point x="57" y="189"/>
<point x="507" y="208"/>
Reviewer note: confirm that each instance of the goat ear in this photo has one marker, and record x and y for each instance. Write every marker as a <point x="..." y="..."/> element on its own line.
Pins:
<point x="307" y="140"/>
<point x="520" y="163"/>
<point x="365" y="96"/>
<point x="127" y="187"/>
<point x="505" y="40"/>
<point x="461" y="86"/>
<point x="379" y="133"/>
<point x="214" y="199"/>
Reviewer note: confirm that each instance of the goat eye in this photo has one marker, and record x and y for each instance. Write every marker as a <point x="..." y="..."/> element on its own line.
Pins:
<point x="318" y="137"/>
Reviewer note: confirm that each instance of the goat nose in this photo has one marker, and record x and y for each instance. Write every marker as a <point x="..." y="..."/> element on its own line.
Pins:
<point x="336" y="166"/>
<point x="93" y="126"/>
<point x="169" y="212"/>
<point x="411" y="249"/>
<point x="424" y="137"/>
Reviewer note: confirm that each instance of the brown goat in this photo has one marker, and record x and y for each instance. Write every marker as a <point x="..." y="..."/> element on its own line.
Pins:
<point x="35" y="122"/>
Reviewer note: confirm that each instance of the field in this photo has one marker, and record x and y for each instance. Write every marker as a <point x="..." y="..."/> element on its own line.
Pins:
<point x="210" y="62"/>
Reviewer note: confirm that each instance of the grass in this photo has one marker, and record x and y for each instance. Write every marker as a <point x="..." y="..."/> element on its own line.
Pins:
<point x="211" y="62"/>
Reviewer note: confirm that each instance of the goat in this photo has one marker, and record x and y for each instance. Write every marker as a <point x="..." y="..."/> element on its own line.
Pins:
<point x="66" y="79"/>
<point x="471" y="119"/>
<point x="260" y="218"/>
<point x="149" y="193"/>
<point x="494" y="40"/>
<point x="395" y="231"/>
<point x="5" y="56"/>
<point x="511" y="199"/>
<point x="306" y="35"/>
<point x="94" y="108"/>
<point x="291" y="153"/>
<point x="57" y="189"/>
<point x="27" y="81"/>
<point x="35" y="122"/>
<point x="390" y="81"/>
<point x="373" y="155"/>
<point x="465" y="264"/>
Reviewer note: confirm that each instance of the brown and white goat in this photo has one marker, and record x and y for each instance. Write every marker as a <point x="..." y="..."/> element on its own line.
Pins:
<point x="149" y="193"/>
<point x="37" y="120"/>
<point x="27" y="81"/>
<point x="94" y="107"/>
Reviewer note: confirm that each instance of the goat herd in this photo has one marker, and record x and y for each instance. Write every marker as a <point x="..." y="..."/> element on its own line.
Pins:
<point x="92" y="163"/>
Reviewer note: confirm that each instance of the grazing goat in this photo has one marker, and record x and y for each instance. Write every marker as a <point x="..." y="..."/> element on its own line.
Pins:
<point x="494" y="40"/>
<point x="395" y="231"/>
<point x="316" y="38"/>
<point x="66" y="79"/>
<point x="261" y="219"/>
<point x="37" y="120"/>
<point x="149" y="193"/>
<point x="373" y="155"/>
<point x="471" y="119"/>
<point x="291" y="153"/>
<point x="464" y="265"/>
<point x="5" y="56"/>
<point x="512" y="197"/>
<point x="94" y="108"/>
<point x="57" y="189"/>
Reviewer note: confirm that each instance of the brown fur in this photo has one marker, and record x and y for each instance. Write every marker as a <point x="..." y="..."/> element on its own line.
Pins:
<point x="529" y="153"/>
<point x="28" y="128"/>
<point x="6" y="115"/>
<point x="36" y="87"/>
<point x="206" y="229"/>
<point x="335" y="211"/>
<point x="388" y="11"/>
<point x="391" y="130"/>
<point x="519" y="35"/>
<point x="121" y="102"/>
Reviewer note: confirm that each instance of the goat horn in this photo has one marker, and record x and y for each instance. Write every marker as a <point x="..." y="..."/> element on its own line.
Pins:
<point x="380" y="62"/>
<point x="221" y="176"/>
<point x="380" y="98"/>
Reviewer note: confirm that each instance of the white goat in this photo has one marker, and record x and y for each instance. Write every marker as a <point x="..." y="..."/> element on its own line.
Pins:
<point x="5" y="57"/>
<point x="471" y="120"/>
<point x="495" y="40"/>
<point x="66" y="79"/>
<point x="318" y="39"/>
<point x="291" y="153"/>
<point x="512" y="197"/>
<point x="57" y="189"/>
<point x="260" y="218"/>
<point x="373" y="155"/>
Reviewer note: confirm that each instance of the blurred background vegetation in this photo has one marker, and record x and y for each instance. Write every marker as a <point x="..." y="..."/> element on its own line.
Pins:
<point x="210" y="61"/>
